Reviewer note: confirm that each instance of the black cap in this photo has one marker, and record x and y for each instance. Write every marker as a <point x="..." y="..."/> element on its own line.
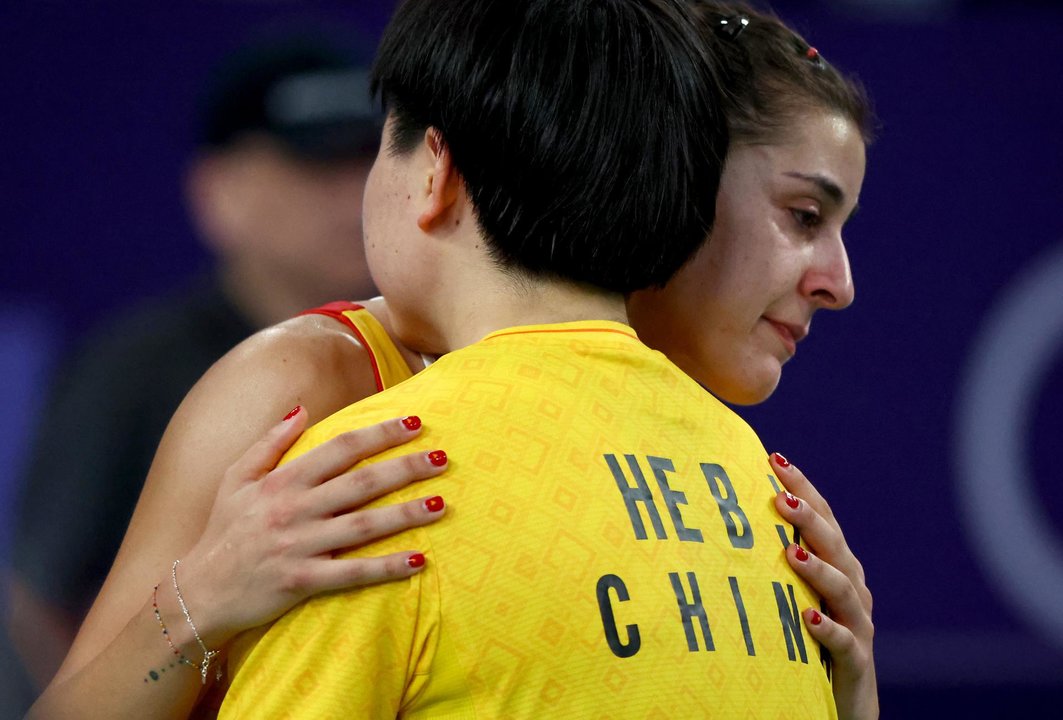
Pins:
<point x="302" y="92"/>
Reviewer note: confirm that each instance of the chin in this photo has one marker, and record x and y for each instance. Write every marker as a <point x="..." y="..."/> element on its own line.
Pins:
<point x="746" y="388"/>
<point x="753" y="381"/>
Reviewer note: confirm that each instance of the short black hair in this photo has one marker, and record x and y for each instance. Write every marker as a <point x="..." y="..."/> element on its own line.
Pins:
<point x="589" y="133"/>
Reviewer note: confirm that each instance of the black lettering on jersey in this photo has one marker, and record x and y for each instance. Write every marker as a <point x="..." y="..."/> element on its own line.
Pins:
<point x="791" y="622"/>
<point x="673" y="499"/>
<point x="783" y="538"/>
<point x="824" y="654"/>
<point x="781" y="529"/>
<point x="742" y="618"/>
<point x="727" y="500"/>
<point x="605" y="607"/>
<point x="634" y="495"/>
<point x="690" y="610"/>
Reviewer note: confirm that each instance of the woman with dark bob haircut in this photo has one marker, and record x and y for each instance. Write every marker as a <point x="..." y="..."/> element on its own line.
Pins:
<point x="254" y="540"/>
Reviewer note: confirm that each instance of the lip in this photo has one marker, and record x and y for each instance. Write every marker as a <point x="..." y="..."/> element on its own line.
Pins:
<point x="789" y="333"/>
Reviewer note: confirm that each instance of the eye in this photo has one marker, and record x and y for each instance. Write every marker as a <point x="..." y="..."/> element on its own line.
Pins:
<point x="807" y="219"/>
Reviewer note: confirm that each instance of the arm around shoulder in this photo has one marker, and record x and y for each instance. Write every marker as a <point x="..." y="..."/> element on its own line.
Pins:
<point x="308" y="361"/>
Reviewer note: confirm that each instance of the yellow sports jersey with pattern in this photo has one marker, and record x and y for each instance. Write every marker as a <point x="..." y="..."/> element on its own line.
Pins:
<point x="610" y="550"/>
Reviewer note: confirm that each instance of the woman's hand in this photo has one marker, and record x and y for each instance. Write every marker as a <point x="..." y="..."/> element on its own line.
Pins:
<point x="272" y="533"/>
<point x="835" y="573"/>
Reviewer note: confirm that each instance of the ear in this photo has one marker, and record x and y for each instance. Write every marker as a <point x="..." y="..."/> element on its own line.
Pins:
<point x="443" y="185"/>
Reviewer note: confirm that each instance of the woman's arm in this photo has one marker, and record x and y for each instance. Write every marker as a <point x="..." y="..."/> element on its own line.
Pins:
<point x="835" y="573"/>
<point x="269" y="533"/>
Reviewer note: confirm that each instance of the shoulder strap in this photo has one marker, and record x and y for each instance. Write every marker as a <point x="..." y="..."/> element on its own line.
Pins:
<point x="389" y="367"/>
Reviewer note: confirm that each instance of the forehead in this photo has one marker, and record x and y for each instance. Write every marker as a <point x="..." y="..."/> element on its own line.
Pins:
<point x="821" y="144"/>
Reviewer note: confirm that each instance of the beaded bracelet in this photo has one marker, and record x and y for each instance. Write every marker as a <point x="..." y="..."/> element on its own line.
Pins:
<point x="208" y="655"/>
<point x="166" y="633"/>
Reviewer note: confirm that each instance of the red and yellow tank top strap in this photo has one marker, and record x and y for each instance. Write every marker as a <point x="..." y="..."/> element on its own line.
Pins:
<point x="389" y="367"/>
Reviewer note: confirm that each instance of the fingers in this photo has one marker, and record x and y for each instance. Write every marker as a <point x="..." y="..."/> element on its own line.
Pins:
<point x="834" y="587"/>
<point x="847" y="632"/>
<point x="338" y="574"/>
<point x="795" y="481"/>
<point x="341" y="452"/>
<point x="838" y="639"/>
<point x="821" y="533"/>
<point x="854" y="668"/>
<point x="853" y="679"/>
<point x="825" y="538"/>
<point x="264" y="455"/>
<point x="357" y="528"/>
<point x="374" y="480"/>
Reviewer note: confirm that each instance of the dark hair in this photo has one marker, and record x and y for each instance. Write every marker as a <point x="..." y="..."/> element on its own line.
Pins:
<point x="772" y="75"/>
<point x="589" y="133"/>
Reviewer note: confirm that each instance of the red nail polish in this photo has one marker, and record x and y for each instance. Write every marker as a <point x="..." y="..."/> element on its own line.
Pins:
<point x="434" y="504"/>
<point x="801" y="554"/>
<point x="411" y="422"/>
<point x="295" y="411"/>
<point x="816" y="618"/>
<point x="437" y="458"/>
<point x="783" y="462"/>
<point x="792" y="501"/>
<point x="416" y="560"/>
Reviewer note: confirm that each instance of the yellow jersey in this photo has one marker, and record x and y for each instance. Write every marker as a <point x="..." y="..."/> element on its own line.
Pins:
<point x="610" y="550"/>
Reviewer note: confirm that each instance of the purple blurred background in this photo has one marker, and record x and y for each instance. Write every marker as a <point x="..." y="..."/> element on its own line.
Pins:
<point x="930" y="413"/>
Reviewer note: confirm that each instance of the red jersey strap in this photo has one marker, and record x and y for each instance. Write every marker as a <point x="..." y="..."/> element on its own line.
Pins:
<point x="337" y="311"/>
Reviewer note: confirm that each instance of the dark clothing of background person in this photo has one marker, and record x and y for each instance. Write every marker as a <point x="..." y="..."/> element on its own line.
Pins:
<point x="109" y="405"/>
<point x="98" y="434"/>
<point x="287" y="135"/>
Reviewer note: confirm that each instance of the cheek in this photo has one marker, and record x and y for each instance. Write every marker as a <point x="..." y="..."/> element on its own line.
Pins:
<point x="369" y="201"/>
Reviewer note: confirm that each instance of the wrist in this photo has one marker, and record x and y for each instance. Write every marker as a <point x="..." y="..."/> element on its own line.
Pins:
<point x="209" y="656"/>
<point x="199" y="591"/>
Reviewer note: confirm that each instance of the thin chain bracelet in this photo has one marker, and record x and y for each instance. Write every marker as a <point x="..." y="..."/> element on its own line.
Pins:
<point x="166" y="633"/>
<point x="208" y="655"/>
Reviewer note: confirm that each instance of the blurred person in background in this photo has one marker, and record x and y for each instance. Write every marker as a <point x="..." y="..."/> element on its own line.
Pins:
<point x="287" y="137"/>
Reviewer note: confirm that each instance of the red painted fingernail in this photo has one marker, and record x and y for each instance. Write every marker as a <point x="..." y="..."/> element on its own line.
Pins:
<point x="792" y="501"/>
<point x="801" y="554"/>
<point x="783" y="462"/>
<point x="293" y="413"/>
<point x="411" y="422"/>
<point x="437" y="458"/>
<point x="416" y="560"/>
<point x="816" y="618"/>
<point x="812" y="53"/>
<point x="434" y="504"/>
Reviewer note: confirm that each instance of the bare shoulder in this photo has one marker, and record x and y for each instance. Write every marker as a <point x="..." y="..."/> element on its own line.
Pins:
<point x="311" y="361"/>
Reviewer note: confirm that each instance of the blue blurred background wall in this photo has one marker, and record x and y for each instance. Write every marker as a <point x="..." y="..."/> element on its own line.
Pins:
<point x="930" y="413"/>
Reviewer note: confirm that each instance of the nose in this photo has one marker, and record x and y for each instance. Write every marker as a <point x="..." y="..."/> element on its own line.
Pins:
<point x="829" y="279"/>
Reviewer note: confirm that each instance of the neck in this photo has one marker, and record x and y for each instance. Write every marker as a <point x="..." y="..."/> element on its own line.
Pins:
<point x="508" y="303"/>
<point x="464" y="294"/>
<point x="543" y="303"/>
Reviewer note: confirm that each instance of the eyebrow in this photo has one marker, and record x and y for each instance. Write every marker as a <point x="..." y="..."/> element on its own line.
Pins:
<point x="828" y="186"/>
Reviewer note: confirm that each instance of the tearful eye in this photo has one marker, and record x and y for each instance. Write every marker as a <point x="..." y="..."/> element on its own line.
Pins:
<point x="805" y="218"/>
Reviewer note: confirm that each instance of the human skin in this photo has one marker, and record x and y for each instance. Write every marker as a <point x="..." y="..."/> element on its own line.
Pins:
<point x="775" y="257"/>
<point x="783" y="242"/>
